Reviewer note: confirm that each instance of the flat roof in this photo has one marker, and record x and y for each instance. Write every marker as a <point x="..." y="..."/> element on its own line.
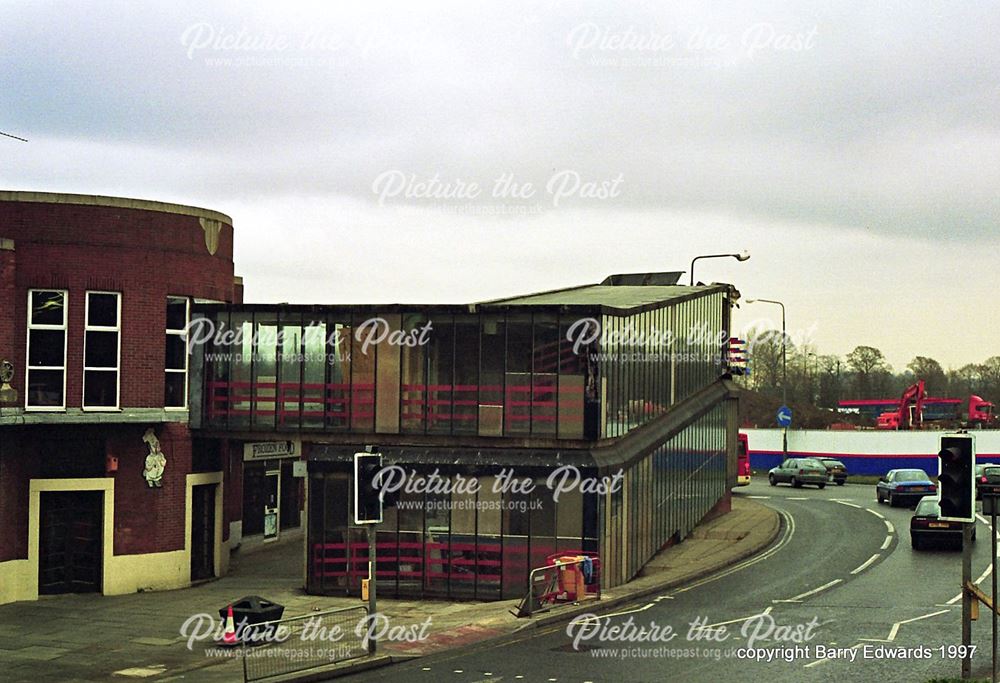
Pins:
<point x="113" y="202"/>
<point x="623" y="297"/>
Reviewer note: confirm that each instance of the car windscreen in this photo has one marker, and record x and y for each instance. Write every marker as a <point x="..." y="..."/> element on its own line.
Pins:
<point x="833" y="463"/>
<point x="810" y="462"/>
<point x="911" y="475"/>
<point x="928" y="507"/>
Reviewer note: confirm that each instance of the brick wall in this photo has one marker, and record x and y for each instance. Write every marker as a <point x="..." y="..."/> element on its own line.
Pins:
<point x="13" y="503"/>
<point x="146" y="255"/>
<point x="150" y="520"/>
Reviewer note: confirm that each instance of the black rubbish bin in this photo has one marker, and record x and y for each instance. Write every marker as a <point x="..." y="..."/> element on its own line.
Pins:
<point x="253" y="608"/>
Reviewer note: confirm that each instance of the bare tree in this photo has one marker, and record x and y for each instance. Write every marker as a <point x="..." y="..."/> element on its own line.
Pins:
<point x="871" y="371"/>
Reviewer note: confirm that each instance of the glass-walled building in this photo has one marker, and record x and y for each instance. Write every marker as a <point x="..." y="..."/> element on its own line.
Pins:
<point x="614" y="394"/>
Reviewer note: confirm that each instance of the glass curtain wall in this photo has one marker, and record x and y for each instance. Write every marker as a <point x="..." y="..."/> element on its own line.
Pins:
<point x="464" y="544"/>
<point x="664" y="496"/>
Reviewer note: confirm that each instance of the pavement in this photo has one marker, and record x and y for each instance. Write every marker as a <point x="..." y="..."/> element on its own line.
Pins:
<point x="91" y="637"/>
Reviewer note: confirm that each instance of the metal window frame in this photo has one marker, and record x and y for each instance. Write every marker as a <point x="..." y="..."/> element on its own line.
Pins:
<point x="27" y="350"/>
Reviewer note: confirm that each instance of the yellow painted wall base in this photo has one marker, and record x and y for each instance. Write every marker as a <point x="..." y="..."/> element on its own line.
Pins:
<point x="16" y="582"/>
<point x="121" y="574"/>
<point x="151" y="571"/>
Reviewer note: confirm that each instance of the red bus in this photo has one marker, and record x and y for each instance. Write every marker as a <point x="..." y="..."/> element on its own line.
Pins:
<point x="742" y="460"/>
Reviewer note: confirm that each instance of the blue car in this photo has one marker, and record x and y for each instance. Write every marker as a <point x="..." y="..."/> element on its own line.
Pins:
<point x="904" y="486"/>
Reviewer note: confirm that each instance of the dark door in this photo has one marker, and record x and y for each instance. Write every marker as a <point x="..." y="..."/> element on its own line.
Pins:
<point x="203" y="532"/>
<point x="254" y="485"/>
<point x="290" y="505"/>
<point x="70" y="542"/>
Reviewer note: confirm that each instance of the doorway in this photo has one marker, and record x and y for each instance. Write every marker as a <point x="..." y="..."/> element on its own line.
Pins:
<point x="70" y="543"/>
<point x="203" y="532"/>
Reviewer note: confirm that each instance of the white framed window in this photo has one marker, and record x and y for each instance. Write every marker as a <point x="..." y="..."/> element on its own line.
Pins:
<point x="102" y="351"/>
<point x="176" y="356"/>
<point x="46" y="364"/>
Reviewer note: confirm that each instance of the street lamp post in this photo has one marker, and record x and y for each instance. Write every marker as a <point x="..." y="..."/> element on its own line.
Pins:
<point x="742" y="256"/>
<point x="784" y="370"/>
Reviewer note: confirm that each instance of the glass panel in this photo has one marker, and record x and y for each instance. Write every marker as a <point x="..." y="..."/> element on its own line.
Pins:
<point x="362" y="386"/>
<point x="440" y="367"/>
<point x="413" y="384"/>
<point x="48" y="308"/>
<point x="517" y="381"/>
<point x="338" y="409"/>
<point x="45" y="387"/>
<point x="173" y="391"/>
<point x="545" y="361"/>
<point x="176" y="313"/>
<point x="265" y="371"/>
<point x="102" y="310"/>
<point x="101" y="350"/>
<point x="491" y="378"/>
<point x="100" y="388"/>
<point x="314" y="373"/>
<point x="46" y="347"/>
<point x="465" y="415"/>
<point x="176" y="353"/>
<point x="290" y="372"/>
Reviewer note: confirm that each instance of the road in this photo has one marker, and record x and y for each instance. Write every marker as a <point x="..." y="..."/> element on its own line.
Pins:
<point x="841" y="576"/>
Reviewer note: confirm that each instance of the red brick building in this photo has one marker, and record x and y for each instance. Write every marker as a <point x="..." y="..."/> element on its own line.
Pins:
<point x="95" y="293"/>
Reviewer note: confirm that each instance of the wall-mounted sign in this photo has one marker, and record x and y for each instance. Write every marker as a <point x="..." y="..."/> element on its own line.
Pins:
<point x="265" y="450"/>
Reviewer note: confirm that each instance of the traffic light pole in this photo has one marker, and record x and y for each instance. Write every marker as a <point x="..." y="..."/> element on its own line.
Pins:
<point x="993" y="536"/>
<point x="967" y="599"/>
<point x="371" y="586"/>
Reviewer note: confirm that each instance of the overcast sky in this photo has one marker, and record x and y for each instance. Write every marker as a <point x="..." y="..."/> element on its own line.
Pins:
<point x="377" y="152"/>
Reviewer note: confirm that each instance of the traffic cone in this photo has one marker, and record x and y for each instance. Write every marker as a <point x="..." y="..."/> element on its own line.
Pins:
<point x="229" y="635"/>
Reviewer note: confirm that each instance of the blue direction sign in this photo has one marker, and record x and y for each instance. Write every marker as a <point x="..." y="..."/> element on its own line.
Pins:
<point x="784" y="416"/>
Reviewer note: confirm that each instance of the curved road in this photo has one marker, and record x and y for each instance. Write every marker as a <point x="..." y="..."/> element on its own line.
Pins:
<point x="841" y="576"/>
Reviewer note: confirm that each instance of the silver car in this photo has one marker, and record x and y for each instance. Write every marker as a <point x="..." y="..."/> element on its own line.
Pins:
<point x="799" y="471"/>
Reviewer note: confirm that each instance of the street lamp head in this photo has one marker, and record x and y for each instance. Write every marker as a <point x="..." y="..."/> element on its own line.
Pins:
<point x="751" y="301"/>
<point x="743" y="255"/>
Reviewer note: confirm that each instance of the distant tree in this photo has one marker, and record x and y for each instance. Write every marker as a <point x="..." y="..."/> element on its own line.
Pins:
<point x="764" y="353"/>
<point x="989" y="378"/>
<point x="964" y="381"/>
<point x="830" y="387"/>
<point x="931" y="372"/>
<point x="871" y="371"/>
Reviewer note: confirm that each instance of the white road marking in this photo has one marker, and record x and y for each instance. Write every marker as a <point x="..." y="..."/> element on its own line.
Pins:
<point x="844" y="502"/>
<point x="867" y="563"/>
<point x="889" y="526"/>
<point x="760" y="497"/>
<point x="663" y="597"/>
<point x="733" y="621"/>
<point x="876" y="513"/>
<point x="789" y="531"/>
<point x="796" y="498"/>
<point x="597" y="617"/>
<point x="895" y="627"/>
<point x="798" y="598"/>
<point x="827" y="659"/>
<point x="886" y="542"/>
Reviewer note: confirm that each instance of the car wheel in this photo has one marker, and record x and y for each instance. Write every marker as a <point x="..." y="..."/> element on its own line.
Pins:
<point x="878" y="495"/>
<point x="892" y="502"/>
<point x="795" y="483"/>
<point x="915" y="543"/>
<point x="771" y="480"/>
<point x="821" y="486"/>
<point x="840" y="483"/>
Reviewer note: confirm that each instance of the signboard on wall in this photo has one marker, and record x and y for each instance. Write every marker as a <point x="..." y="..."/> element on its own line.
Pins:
<point x="267" y="450"/>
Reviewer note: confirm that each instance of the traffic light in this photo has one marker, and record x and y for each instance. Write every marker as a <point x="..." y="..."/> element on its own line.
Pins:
<point x="955" y="477"/>
<point x="367" y="504"/>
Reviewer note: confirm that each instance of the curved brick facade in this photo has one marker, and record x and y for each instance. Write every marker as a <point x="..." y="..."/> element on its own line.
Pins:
<point x="145" y="250"/>
<point x="66" y="455"/>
